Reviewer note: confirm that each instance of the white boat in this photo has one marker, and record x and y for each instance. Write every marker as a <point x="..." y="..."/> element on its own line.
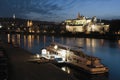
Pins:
<point x="77" y="58"/>
<point x="51" y="56"/>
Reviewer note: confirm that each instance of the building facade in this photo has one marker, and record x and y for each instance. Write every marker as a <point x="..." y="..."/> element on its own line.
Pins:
<point x="86" y="25"/>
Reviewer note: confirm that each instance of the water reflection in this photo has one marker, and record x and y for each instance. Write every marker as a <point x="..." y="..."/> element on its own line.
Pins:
<point x="28" y="41"/>
<point x="13" y="39"/>
<point x="38" y="39"/>
<point x="44" y="40"/>
<point x="18" y="39"/>
<point x="119" y="43"/>
<point x="53" y="39"/>
<point x="25" y="40"/>
<point x="82" y="75"/>
<point x="66" y="69"/>
<point x="90" y="46"/>
<point x="102" y="42"/>
<point x="8" y="40"/>
<point x="29" y="38"/>
<point x="79" y="42"/>
<point x="107" y="51"/>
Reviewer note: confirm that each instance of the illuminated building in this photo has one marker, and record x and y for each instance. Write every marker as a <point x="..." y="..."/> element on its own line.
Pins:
<point x="87" y="25"/>
<point x="30" y="24"/>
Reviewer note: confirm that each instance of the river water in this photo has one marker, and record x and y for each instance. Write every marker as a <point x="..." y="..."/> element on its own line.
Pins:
<point x="107" y="50"/>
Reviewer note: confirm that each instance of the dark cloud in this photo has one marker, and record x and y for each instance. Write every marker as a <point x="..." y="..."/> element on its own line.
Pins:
<point x="45" y="7"/>
<point x="23" y="8"/>
<point x="39" y="9"/>
<point x="41" y="6"/>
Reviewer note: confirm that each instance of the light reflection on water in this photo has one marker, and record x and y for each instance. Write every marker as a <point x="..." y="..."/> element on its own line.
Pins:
<point x="66" y="69"/>
<point x="108" y="51"/>
<point x="119" y="43"/>
<point x="82" y="75"/>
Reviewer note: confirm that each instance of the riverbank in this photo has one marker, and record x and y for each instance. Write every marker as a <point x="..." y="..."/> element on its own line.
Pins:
<point x="3" y="63"/>
<point x="20" y="69"/>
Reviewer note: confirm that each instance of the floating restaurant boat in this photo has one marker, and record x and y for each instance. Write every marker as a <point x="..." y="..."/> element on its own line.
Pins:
<point x="76" y="57"/>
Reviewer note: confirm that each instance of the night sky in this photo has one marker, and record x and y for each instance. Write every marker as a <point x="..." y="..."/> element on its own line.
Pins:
<point x="59" y="10"/>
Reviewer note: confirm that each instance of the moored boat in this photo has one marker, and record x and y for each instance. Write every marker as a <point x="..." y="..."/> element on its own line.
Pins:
<point x="77" y="57"/>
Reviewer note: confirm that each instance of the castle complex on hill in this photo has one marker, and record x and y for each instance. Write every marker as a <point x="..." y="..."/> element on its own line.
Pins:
<point x="86" y="25"/>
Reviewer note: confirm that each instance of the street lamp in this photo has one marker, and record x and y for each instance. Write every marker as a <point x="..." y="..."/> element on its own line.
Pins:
<point x="37" y="55"/>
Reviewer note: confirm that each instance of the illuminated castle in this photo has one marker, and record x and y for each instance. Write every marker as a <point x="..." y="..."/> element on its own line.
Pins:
<point x="86" y="25"/>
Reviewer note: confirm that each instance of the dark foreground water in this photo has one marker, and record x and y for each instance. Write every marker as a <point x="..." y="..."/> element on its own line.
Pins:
<point x="108" y="51"/>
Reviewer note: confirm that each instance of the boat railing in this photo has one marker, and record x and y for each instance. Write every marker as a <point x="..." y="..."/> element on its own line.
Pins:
<point x="78" y="52"/>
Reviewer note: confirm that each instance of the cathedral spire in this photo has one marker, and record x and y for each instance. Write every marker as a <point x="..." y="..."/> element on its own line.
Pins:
<point x="13" y="16"/>
<point x="78" y="16"/>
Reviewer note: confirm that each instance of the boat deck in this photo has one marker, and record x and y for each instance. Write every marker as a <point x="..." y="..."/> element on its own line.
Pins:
<point x="76" y="57"/>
